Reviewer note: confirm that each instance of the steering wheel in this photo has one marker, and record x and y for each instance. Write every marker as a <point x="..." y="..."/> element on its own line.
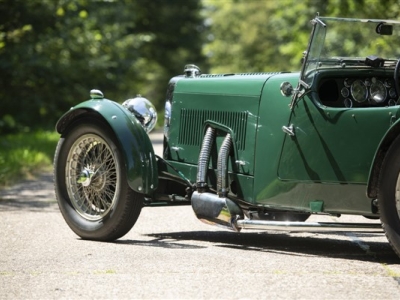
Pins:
<point x="396" y="78"/>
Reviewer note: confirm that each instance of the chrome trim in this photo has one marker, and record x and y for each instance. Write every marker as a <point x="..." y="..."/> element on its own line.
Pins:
<point x="143" y="110"/>
<point x="289" y="130"/>
<point x="214" y="210"/>
<point x="92" y="175"/>
<point x="191" y="71"/>
<point x="85" y="177"/>
<point x="96" y="94"/>
<point x="308" y="226"/>
<point x="167" y="118"/>
<point x="241" y="163"/>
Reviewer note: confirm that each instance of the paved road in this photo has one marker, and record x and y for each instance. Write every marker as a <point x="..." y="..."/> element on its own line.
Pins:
<point x="170" y="254"/>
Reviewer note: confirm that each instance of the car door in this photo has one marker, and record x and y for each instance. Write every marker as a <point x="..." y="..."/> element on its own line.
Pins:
<point x="331" y="144"/>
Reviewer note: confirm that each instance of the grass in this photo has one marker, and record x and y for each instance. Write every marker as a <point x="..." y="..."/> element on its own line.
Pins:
<point x="25" y="155"/>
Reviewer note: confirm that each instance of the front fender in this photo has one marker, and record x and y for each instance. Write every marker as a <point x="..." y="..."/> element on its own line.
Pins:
<point x="134" y="142"/>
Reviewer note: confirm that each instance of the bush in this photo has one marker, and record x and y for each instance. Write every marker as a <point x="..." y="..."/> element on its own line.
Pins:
<point x="25" y="155"/>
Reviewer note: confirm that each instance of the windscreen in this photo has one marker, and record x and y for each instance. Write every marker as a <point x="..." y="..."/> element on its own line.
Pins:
<point x="352" y="38"/>
<point x="339" y="43"/>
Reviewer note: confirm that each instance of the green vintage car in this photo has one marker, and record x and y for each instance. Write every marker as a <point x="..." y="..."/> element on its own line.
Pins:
<point x="249" y="150"/>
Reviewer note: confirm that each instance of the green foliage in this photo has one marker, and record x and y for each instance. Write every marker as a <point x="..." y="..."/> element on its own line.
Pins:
<point x="25" y="154"/>
<point x="252" y="35"/>
<point x="53" y="52"/>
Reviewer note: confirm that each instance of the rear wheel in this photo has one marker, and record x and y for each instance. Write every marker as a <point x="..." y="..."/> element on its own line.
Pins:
<point x="389" y="196"/>
<point x="91" y="183"/>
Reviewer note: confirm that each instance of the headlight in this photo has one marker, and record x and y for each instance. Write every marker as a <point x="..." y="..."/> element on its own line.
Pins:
<point x="167" y="118"/>
<point x="143" y="110"/>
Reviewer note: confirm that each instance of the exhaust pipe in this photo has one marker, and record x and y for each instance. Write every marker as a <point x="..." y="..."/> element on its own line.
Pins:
<point x="204" y="158"/>
<point x="208" y="207"/>
<point x="214" y="210"/>
<point x="223" y="156"/>
<point x="221" y="211"/>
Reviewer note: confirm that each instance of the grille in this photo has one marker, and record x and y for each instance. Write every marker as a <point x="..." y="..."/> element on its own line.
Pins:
<point x="192" y="121"/>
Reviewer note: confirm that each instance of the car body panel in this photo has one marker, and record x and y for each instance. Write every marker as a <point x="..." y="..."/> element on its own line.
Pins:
<point x="231" y="100"/>
<point x="320" y="164"/>
<point x="270" y="189"/>
<point x="333" y="145"/>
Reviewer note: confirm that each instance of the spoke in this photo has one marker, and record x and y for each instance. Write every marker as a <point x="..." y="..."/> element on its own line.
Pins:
<point x="94" y="200"/>
<point x="105" y="162"/>
<point x="109" y="193"/>
<point x="104" y="203"/>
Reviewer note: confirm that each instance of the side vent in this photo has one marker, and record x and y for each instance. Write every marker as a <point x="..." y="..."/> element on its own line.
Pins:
<point x="192" y="121"/>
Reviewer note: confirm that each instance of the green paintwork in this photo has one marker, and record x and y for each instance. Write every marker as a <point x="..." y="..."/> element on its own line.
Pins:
<point x="270" y="138"/>
<point x="330" y="164"/>
<point x="317" y="206"/>
<point x="135" y="144"/>
<point x="329" y="159"/>
<point x="324" y="168"/>
<point x="224" y="84"/>
<point x="333" y="145"/>
<point x="232" y="99"/>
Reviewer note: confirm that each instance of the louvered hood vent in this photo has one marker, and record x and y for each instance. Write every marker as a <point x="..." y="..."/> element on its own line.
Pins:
<point x="192" y="121"/>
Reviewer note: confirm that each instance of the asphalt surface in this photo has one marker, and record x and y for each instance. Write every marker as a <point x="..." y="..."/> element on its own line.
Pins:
<point x="169" y="254"/>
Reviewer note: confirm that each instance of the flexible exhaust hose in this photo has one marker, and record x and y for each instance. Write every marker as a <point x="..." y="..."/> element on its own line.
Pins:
<point x="204" y="157"/>
<point x="223" y="155"/>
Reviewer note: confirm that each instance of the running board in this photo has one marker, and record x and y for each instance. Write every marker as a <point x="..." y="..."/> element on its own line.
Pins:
<point x="308" y="226"/>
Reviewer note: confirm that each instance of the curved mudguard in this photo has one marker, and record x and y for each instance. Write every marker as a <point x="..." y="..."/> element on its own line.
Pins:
<point x="135" y="144"/>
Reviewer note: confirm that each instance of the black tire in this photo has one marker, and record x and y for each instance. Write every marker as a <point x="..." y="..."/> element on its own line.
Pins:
<point x="91" y="182"/>
<point x="389" y="183"/>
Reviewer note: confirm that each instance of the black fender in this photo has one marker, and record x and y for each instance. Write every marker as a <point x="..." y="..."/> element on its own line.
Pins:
<point x="135" y="144"/>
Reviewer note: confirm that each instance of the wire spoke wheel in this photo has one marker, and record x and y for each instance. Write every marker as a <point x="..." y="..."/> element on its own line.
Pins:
<point x="389" y="195"/>
<point x="91" y="182"/>
<point x="92" y="177"/>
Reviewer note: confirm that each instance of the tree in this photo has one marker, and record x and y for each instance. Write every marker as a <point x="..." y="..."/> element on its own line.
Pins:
<point x="256" y="35"/>
<point x="53" y="52"/>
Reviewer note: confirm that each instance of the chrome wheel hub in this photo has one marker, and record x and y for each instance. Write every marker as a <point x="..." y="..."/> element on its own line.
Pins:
<point x="92" y="177"/>
<point x="85" y="177"/>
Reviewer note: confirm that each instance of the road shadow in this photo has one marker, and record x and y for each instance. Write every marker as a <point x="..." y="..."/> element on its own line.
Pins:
<point x="27" y="205"/>
<point x="158" y="242"/>
<point x="30" y="195"/>
<point x="325" y="245"/>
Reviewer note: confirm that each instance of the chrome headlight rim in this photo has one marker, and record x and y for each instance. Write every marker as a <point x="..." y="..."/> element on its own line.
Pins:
<point x="167" y="118"/>
<point x="144" y="111"/>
